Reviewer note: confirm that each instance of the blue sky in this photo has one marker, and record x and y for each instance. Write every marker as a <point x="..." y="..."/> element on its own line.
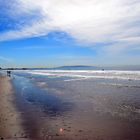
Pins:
<point x="48" y="33"/>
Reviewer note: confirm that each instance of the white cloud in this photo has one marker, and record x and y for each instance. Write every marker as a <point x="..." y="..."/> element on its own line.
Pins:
<point x="88" y="21"/>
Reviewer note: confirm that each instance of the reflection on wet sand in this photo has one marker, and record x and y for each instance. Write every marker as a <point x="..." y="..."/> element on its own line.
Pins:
<point x="38" y="108"/>
<point x="77" y="110"/>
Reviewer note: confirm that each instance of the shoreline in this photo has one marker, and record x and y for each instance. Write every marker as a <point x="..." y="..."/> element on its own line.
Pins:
<point x="10" y="121"/>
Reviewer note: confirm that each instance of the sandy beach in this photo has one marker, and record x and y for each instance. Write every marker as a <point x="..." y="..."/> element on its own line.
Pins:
<point x="40" y="107"/>
<point x="10" y="122"/>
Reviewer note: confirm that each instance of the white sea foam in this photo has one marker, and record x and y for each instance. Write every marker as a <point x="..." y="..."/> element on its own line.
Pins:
<point x="84" y="74"/>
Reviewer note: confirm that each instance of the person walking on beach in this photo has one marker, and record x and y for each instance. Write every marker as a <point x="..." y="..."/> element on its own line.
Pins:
<point x="8" y="73"/>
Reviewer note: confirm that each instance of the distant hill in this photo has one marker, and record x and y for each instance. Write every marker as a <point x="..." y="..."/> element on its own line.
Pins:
<point x="77" y="67"/>
<point x="82" y="67"/>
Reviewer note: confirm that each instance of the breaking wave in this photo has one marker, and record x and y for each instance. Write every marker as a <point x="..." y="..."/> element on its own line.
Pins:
<point x="85" y="74"/>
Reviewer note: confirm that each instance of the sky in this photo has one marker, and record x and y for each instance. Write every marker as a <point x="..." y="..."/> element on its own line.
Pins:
<point x="50" y="33"/>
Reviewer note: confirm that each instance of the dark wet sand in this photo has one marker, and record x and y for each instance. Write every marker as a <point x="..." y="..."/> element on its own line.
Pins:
<point x="72" y="110"/>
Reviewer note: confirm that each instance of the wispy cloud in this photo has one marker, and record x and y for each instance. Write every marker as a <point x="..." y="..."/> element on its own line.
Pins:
<point x="31" y="48"/>
<point x="89" y="21"/>
<point x="5" y="59"/>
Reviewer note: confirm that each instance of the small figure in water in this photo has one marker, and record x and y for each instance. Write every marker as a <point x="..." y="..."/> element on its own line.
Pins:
<point x="9" y="73"/>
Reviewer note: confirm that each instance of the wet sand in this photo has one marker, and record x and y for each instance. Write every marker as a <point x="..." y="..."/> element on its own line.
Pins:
<point x="46" y="108"/>
<point x="10" y="122"/>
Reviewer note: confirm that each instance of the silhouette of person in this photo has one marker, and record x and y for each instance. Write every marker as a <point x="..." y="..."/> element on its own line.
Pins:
<point x="9" y="73"/>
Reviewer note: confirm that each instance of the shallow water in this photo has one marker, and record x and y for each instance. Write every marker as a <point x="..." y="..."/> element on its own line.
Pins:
<point x="64" y="108"/>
